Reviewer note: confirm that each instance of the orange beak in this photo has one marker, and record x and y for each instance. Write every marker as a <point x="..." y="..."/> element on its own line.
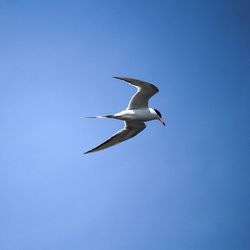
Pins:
<point x="162" y="122"/>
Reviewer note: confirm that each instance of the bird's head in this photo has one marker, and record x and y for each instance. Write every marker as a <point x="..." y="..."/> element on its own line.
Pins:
<point x="158" y="116"/>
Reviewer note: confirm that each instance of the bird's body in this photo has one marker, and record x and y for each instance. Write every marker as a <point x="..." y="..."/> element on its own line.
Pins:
<point x="134" y="116"/>
<point x="144" y="115"/>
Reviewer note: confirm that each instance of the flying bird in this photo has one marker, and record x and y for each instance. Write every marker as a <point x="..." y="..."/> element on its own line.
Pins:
<point x="135" y="116"/>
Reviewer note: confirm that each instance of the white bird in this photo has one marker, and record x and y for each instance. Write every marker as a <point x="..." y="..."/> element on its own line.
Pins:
<point x="134" y="116"/>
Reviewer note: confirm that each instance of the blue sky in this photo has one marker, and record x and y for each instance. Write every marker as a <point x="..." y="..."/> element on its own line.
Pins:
<point x="180" y="187"/>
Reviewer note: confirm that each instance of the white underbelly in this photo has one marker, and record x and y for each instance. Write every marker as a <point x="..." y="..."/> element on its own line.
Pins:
<point x="135" y="115"/>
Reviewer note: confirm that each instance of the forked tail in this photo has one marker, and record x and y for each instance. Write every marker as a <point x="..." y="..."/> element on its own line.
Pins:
<point x="99" y="116"/>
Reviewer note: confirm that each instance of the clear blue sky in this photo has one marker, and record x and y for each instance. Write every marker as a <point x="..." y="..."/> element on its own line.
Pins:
<point x="180" y="187"/>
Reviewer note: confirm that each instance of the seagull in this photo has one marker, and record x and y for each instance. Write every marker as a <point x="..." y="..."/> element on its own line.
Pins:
<point x="135" y="116"/>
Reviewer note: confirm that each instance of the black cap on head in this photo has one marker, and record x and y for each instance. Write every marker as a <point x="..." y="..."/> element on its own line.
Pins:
<point x="158" y="113"/>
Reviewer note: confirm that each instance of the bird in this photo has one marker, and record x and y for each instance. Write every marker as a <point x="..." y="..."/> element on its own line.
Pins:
<point x="134" y="116"/>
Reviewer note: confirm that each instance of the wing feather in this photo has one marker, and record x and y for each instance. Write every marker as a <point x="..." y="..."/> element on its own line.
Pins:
<point x="144" y="92"/>
<point x="130" y="130"/>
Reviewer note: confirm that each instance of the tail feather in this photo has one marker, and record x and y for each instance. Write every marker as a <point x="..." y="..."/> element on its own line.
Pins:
<point x="99" y="116"/>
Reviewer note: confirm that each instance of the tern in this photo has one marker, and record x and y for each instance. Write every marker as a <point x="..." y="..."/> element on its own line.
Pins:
<point x="135" y="116"/>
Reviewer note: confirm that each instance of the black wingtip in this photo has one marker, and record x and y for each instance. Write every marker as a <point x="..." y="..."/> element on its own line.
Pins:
<point x="120" y="77"/>
<point x="123" y="78"/>
<point x="89" y="151"/>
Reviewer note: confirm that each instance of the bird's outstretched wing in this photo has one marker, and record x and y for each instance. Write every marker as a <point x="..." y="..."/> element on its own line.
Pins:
<point x="145" y="90"/>
<point x="130" y="130"/>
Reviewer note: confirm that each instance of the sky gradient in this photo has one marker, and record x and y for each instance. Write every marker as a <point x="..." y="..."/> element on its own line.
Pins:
<point x="180" y="187"/>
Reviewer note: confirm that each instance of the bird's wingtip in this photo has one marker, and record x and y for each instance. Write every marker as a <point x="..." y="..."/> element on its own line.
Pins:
<point x="118" y="77"/>
<point x="87" y="152"/>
